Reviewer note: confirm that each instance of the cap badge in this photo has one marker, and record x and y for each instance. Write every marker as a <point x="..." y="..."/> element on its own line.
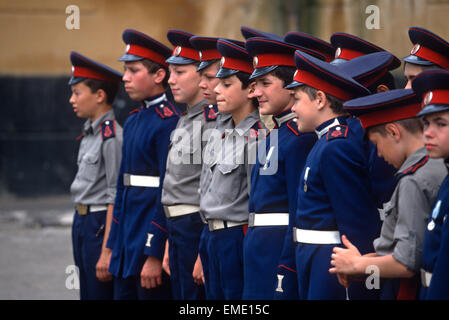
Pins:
<point x="415" y="48"/>
<point x="428" y="98"/>
<point x="255" y="62"/>
<point x="177" y="50"/>
<point x="73" y="69"/>
<point x="127" y="48"/>
<point x="337" y="52"/>
<point x="222" y="62"/>
<point x="201" y="55"/>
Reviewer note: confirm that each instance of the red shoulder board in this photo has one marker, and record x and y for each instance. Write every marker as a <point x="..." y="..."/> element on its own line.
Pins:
<point x="336" y="132"/>
<point x="81" y="136"/>
<point x="134" y="111"/>
<point x="293" y="126"/>
<point x="414" y="168"/>
<point x="107" y="129"/>
<point x="210" y="112"/>
<point x="166" y="110"/>
<point x="256" y="130"/>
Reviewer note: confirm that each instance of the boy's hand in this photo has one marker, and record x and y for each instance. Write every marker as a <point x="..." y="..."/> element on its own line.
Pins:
<point x="198" y="275"/>
<point x="151" y="275"/>
<point x="103" y="265"/>
<point x="345" y="260"/>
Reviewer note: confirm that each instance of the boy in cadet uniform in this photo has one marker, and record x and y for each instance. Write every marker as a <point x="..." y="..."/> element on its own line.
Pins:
<point x="432" y="87"/>
<point x="94" y="87"/>
<point x="138" y="218"/>
<point x="390" y="122"/>
<point x="180" y="195"/>
<point x="334" y="194"/>
<point x="274" y="180"/>
<point x="429" y="52"/>
<point x="208" y="68"/>
<point x="224" y="200"/>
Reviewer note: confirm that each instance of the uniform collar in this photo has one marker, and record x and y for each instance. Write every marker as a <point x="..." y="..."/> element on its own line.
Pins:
<point x="247" y="123"/>
<point x="196" y="109"/>
<point x="283" y="117"/>
<point x="94" y="128"/>
<point x="323" y="128"/>
<point x="413" y="159"/>
<point x="151" y="101"/>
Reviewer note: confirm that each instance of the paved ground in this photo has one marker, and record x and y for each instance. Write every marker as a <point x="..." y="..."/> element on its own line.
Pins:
<point x="35" y="249"/>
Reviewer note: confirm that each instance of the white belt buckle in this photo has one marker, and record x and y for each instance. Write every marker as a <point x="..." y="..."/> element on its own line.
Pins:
<point x="180" y="210"/>
<point x="96" y="208"/>
<point x="140" y="181"/>
<point x="268" y="219"/>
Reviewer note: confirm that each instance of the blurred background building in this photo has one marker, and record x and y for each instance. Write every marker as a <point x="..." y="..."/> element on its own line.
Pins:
<point x="38" y="128"/>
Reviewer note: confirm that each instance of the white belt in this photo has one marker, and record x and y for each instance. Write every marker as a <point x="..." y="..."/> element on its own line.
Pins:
<point x="425" y="278"/>
<point x="316" y="237"/>
<point x="180" y="210"/>
<point x="268" y="219"/>
<point x="216" y="224"/>
<point x="140" y="181"/>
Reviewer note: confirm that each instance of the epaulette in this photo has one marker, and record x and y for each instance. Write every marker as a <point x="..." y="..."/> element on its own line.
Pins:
<point x="166" y="110"/>
<point x="337" y="132"/>
<point x="134" y="111"/>
<point x="255" y="130"/>
<point x="80" y="137"/>
<point x="414" y="168"/>
<point x="293" y="126"/>
<point x="210" y="112"/>
<point x="107" y="129"/>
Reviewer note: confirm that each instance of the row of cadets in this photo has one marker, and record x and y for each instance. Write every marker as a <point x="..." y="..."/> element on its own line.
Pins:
<point x="180" y="195"/>
<point x="389" y="120"/>
<point x="433" y="89"/>
<point x="208" y="68"/>
<point x="224" y="199"/>
<point x="94" y="87"/>
<point x="138" y="220"/>
<point x="334" y="194"/>
<point x="274" y="180"/>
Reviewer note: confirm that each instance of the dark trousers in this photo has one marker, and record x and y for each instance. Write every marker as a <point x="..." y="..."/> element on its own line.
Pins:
<point x="130" y="289"/>
<point x="87" y="239"/>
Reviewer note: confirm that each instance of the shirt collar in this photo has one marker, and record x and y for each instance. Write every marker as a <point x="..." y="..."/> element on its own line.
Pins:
<point x="94" y="128"/>
<point x="283" y="117"/>
<point x="196" y="109"/>
<point x="247" y="123"/>
<point x="413" y="159"/>
<point x="151" y="101"/>
<point x="323" y="128"/>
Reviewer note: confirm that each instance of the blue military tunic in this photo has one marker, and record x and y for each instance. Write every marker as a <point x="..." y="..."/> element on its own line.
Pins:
<point x="435" y="257"/>
<point x="274" y="185"/>
<point x="334" y="195"/>
<point x="138" y="219"/>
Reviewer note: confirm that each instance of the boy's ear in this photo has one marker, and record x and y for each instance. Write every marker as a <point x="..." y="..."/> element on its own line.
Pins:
<point x="101" y="96"/>
<point x="321" y="99"/>
<point x="382" y="88"/>
<point x="251" y="90"/>
<point x="159" y="75"/>
<point x="393" y="130"/>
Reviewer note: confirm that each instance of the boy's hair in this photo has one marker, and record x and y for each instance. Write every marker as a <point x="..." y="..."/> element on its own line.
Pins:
<point x="336" y="104"/>
<point x="387" y="80"/>
<point x="153" y="67"/>
<point x="246" y="81"/>
<point x="110" y="88"/>
<point x="412" y="125"/>
<point x="284" y="73"/>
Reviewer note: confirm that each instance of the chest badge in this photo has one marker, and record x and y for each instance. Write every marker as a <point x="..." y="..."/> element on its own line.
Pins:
<point x="306" y="175"/>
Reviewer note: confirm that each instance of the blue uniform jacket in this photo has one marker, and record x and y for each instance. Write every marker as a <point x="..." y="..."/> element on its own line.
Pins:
<point x="435" y="257"/>
<point x="335" y="191"/>
<point x="138" y="228"/>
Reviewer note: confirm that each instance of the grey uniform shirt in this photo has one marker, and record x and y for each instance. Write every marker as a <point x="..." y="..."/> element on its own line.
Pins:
<point x="227" y="169"/>
<point x="98" y="163"/>
<point x="184" y="160"/>
<point x="405" y="222"/>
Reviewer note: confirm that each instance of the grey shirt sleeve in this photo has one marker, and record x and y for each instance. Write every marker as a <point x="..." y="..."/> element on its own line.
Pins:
<point x="112" y="155"/>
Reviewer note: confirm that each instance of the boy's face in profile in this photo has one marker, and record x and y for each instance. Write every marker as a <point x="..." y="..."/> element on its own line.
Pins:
<point x="306" y="110"/>
<point x="230" y="95"/>
<point x="139" y="83"/>
<point x="410" y="72"/>
<point x="83" y="101"/>
<point x="436" y="134"/>
<point x="387" y="148"/>
<point x="271" y="95"/>
<point x="209" y="82"/>
<point x="184" y="83"/>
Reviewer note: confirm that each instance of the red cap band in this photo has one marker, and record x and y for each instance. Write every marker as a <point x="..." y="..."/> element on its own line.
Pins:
<point x="347" y="54"/>
<point x="274" y="59"/>
<point x="315" y="82"/>
<point x="430" y="55"/>
<point x="186" y="52"/>
<point x="237" y="64"/>
<point x="210" y="54"/>
<point x="83" y="72"/>
<point x="436" y="97"/>
<point x="389" y="115"/>
<point x="147" y="54"/>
